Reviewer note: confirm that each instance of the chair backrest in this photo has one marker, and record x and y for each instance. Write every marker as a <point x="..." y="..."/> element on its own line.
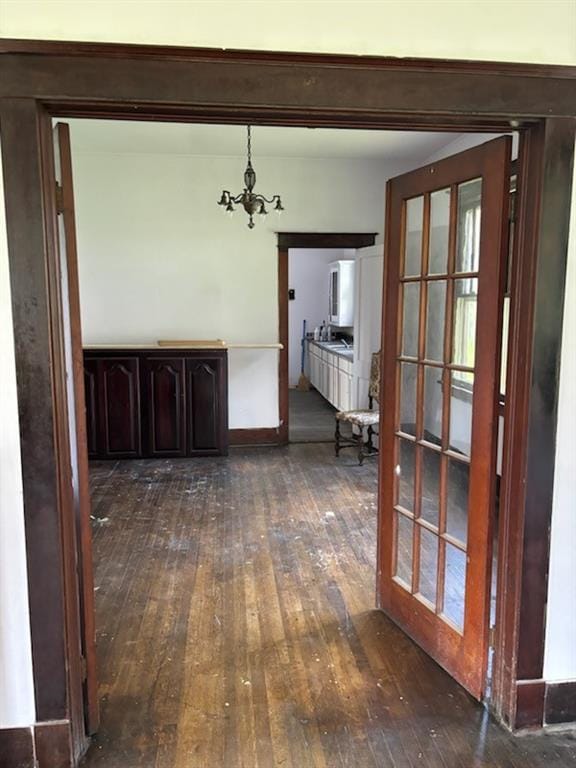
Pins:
<point x="374" y="387"/>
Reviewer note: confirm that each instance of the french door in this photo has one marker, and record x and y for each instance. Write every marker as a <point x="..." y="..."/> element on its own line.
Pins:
<point x="446" y="242"/>
<point x="82" y="628"/>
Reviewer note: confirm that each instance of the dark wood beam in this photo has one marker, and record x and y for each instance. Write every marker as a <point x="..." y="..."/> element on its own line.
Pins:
<point x="326" y="239"/>
<point x="316" y="86"/>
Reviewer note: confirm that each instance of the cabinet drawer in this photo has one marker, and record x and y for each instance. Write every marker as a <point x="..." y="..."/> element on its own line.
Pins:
<point x="345" y="365"/>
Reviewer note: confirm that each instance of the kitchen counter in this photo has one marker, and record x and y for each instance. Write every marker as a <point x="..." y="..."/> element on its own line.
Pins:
<point x="330" y="366"/>
<point x="337" y="348"/>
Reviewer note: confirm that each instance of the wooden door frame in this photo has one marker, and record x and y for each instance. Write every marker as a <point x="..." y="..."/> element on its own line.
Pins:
<point x="287" y="240"/>
<point x="40" y="80"/>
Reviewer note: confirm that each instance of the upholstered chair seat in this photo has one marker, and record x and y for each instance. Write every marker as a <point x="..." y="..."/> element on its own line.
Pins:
<point x="362" y="419"/>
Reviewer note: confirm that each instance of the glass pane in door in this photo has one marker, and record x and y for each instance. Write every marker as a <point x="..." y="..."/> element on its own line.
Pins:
<point x="457" y="500"/>
<point x="439" y="232"/>
<point x="408" y="388"/>
<point x="433" y="405"/>
<point x="461" y="400"/>
<point x="435" y="314"/>
<point x="430" y="485"/>
<point x="411" y="319"/>
<point x="469" y="212"/>
<point x="455" y="586"/>
<point x="413" y="237"/>
<point x="464" y="321"/>
<point x="404" y="539"/>
<point x="405" y="472"/>
<point x="428" y="565"/>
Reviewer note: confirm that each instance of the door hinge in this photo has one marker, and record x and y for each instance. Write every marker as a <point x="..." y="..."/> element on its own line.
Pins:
<point x="83" y="668"/>
<point x="59" y="198"/>
<point x="491" y="637"/>
<point x="512" y="211"/>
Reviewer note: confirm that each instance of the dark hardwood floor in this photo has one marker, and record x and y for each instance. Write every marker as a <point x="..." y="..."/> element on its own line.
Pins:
<point x="236" y="626"/>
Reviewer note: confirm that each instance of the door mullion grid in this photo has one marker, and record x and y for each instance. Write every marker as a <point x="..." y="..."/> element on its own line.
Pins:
<point x="446" y="395"/>
<point x="420" y="395"/>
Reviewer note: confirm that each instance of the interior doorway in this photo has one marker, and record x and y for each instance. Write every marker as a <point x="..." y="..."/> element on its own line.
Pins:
<point x="331" y="257"/>
<point x="23" y="160"/>
<point x="316" y="394"/>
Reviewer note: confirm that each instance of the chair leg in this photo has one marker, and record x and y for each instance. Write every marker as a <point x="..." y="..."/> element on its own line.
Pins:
<point x="370" y="445"/>
<point x="361" y="448"/>
<point x="337" y="439"/>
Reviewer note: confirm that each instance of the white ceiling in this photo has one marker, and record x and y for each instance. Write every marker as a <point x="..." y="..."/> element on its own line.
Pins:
<point x="110" y="136"/>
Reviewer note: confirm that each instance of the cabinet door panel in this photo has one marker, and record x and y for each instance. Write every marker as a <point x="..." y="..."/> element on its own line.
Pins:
<point x="203" y="383"/>
<point x="165" y="420"/>
<point x="91" y="397"/>
<point x="119" y="407"/>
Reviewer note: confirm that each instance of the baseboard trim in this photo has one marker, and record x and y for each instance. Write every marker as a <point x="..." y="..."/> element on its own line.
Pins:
<point x="17" y="748"/>
<point x="560" y="705"/>
<point x="530" y="696"/>
<point x="259" y="436"/>
<point x="43" y="745"/>
<point x="539" y="703"/>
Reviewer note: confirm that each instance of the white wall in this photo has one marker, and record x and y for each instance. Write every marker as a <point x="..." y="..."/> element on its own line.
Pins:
<point x="499" y="30"/>
<point x="159" y="258"/>
<point x="16" y="688"/>
<point x="309" y="275"/>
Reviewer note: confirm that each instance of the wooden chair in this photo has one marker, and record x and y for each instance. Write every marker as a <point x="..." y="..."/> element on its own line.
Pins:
<point x="361" y="419"/>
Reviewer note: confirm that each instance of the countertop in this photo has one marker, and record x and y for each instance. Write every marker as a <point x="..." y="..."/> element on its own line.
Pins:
<point x="336" y="348"/>
<point x="215" y="344"/>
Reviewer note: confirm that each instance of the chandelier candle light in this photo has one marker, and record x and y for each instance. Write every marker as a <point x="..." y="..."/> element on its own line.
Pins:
<point x="251" y="202"/>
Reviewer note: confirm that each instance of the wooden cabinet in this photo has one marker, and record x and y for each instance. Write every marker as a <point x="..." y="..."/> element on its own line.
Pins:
<point x="207" y="425"/>
<point x="91" y="394"/>
<point x="341" y="293"/>
<point x="112" y="391"/>
<point x="163" y="412"/>
<point x="156" y="403"/>
<point x="119" y="384"/>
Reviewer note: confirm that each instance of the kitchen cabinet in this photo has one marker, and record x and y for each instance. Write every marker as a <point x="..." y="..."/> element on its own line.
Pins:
<point x="331" y="375"/>
<point x="154" y="403"/>
<point x="341" y="293"/>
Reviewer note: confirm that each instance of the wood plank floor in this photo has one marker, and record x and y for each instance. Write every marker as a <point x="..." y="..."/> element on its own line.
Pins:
<point x="236" y="626"/>
<point x="311" y="417"/>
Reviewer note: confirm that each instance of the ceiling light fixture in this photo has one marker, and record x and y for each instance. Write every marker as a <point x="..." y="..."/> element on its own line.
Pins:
<point x="251" y="202"/>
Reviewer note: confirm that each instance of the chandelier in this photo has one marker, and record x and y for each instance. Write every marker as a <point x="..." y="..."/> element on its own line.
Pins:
<point x="251" y="202"/>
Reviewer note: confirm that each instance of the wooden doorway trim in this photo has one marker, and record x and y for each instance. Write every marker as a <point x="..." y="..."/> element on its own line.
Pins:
<point x="40" y="80"/>
<point x="287" y="240"/>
